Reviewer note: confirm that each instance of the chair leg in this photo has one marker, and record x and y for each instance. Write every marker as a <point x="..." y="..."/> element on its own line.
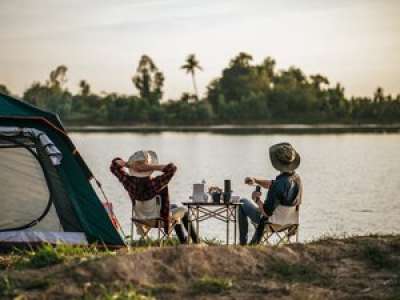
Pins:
<point x="132" y="224"/>
<point x="159" y="233"/>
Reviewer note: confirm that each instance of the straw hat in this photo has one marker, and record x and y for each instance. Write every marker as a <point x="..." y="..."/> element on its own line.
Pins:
<point x="148" y="157"/>
<point x="284" y="157"/>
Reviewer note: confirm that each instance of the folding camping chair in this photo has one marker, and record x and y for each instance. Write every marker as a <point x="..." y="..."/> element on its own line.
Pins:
<point x="146" y="217"/>
<point x="282" y="226"/>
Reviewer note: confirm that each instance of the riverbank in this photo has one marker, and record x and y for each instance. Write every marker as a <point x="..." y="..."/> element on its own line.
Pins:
<point x="353" y="268"/>
<point x="247" y="129"/>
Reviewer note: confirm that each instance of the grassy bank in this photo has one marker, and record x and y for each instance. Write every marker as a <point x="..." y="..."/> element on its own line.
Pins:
<point x="248" y="129"/>
<point x="357" y="268"/>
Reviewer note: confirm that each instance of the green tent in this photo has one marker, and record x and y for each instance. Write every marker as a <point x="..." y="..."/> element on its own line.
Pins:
<point x="45" y="186"/>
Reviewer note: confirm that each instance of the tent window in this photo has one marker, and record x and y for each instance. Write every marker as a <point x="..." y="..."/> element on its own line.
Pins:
<point x="24" y="194"/>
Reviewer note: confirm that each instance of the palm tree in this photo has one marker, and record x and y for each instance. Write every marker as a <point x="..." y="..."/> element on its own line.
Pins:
<point x="85" y="88"/>
<point x="190" y="66"/>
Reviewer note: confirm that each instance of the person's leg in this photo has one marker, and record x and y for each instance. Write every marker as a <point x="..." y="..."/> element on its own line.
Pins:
<point x="186" y="223"/>
<point x="247" y="209"/>
<point x="258" y="234"/>
<point x="179" y="228"/>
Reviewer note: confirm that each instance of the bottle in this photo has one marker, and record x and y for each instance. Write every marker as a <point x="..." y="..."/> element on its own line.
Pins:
<point x="258" y="189"/>
<point x="227" y="191"/>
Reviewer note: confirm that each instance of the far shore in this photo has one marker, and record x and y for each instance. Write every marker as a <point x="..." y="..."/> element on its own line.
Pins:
<point x="246" y="129"/>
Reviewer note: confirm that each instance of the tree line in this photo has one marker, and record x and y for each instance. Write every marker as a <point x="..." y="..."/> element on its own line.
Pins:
<point x="245" y="93"/>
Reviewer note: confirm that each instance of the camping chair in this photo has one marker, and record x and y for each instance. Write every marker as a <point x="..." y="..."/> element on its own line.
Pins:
<point x="282" y="226"/>
<point x="146" y="217"/>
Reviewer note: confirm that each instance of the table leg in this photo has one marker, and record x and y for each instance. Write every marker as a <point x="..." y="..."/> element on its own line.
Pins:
<point x="197" y="222"/>
<point x="234" y="212"/>
<point x="190" y="223"/>
<point x="227" y="224"/>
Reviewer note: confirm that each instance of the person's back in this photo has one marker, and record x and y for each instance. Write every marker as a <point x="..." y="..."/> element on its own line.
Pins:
<point x="284" y="191"/>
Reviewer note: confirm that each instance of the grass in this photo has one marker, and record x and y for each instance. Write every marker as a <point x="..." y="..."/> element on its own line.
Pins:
<point x="7" y="286"/>
<point x="213" y="242"/>
<point x="48" y="255"/>
<point x="295" y="272"/>
<point x="149" y="242"/>
<point x="127" y="293"/>
<point x="378" y="257"/>
<point x="211" y="285"/>
<point x="116" y="292"/>
<point x="11" y="288"/>
<point x="163" y="288"/>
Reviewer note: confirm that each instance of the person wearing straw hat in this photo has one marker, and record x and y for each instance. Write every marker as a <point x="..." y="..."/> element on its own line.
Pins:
<point x="141" y="186"/>
<point x="285" y="189"/>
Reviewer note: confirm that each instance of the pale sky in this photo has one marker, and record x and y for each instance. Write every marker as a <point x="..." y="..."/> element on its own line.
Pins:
<point x="355" y="42"/>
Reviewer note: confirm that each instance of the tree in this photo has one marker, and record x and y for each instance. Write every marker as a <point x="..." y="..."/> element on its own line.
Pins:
<point x="317" y="80"/>
<point x="190" y="66"/>
<point x="379" y="95"/>
<point x="58" y="77"/>
<point x="242" y="60"/>
<point x="4" y="90"/>
<point x="84" y="88"/>
<point x="148" y="80"/>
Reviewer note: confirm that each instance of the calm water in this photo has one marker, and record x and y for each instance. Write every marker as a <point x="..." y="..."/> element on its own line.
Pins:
<point x="351" y="182"/>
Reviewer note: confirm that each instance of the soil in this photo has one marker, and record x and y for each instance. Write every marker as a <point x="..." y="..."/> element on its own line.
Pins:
<point x="354" y="268"/>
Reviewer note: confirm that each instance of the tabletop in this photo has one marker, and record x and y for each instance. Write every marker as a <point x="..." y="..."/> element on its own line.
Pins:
<point x="209" y="203"/>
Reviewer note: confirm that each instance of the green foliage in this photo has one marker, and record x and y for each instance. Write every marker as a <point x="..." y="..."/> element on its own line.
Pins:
<point x="4" y="90"/>
<point x="211" y="285"/>
<point x="149" y="80"/>
<point x="7" y="286"/>
<point x="190" y="67"/>
<point x="47" y="255"/>
<point x="246" y="92"/>
<point x="122" y="293"/>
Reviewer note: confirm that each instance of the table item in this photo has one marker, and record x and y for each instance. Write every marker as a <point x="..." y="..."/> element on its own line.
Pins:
<point x="199" y="194"/>
<point x="227" y="191"/>
<point x="216" y="197"/>
<point x="235" y="199"/>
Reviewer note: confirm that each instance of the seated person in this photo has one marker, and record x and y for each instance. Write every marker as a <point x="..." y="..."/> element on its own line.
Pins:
<point x="142" y="187"/>
<point x="285" y="190"/>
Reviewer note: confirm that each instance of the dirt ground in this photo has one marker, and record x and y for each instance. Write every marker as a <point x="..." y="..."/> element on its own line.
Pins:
<point x="353" y="268"/>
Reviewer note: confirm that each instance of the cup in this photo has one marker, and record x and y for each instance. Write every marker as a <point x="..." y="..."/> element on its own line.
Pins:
<point x="216" y="197"/>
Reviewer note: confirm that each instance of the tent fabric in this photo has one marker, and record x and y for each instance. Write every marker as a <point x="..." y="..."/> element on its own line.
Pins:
<point x="51" y="150"/>
<point x="27" y="236"/>
<point x="23" y="191"/>
<point x="73" y="171"/>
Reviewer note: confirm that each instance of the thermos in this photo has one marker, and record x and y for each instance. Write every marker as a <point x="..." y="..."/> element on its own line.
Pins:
<point x="227" y="190"/>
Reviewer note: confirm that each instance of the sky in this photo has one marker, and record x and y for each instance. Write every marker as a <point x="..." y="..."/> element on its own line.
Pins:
<point x="354" y="42"/>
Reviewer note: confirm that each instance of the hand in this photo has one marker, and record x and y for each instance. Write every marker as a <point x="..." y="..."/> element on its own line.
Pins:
<point x="250" y="180"/>
<point x="120" y="163"/>
<point x="256" y="196"/>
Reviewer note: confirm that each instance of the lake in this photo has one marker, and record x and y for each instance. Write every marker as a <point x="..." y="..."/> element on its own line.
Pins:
<point x="351" y="181"/>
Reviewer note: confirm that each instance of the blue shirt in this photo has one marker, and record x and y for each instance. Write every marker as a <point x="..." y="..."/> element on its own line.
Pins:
<point x="285" y="190"/>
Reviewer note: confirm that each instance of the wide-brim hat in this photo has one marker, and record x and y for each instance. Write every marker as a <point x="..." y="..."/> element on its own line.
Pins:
<point x="147" y="156"/>
<point x="284" y="157"/>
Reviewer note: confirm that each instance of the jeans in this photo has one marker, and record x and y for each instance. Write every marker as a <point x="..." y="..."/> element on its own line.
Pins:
<point x="180" y="232"/>
<point x="248" y="210"/>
